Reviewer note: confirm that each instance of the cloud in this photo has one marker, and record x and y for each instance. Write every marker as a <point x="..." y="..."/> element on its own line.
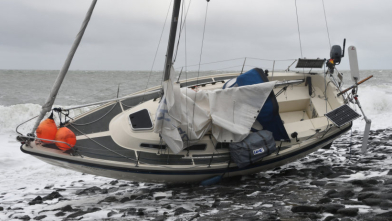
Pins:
<point x="124" y="35"/>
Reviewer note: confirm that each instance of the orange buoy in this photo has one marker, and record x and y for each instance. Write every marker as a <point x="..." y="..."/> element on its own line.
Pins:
<point x="47" y="129"/>
<point x="65" y="135"/>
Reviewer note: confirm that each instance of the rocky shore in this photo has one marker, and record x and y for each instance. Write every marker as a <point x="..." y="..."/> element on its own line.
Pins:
<point x="330" y="184"/>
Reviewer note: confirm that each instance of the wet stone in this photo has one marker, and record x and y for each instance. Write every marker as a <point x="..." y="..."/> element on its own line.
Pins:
<point x="180" y="210"/>
<point x="332" y="208"/>
<point x="25" y="217"/>
<point x="67" y="208"/>
<point x="40" y="217"/>
<point x="362" y="196"/>
<point x="108" y="199"/>
<point x="1" y="208"/>
<point x="88" y="191"/>
<point x="111" y="213"/>
<point x="386" y="215"/>
<point x="349" y="211"/>
<point x="36" y="200"/>
<point x="114" y="182"/>
<point x="385" y="205"/>
<point x="351" y="202"/>
<point x="305" y="209"/>
<point x="59" y="214"/>
<point x="125" y="199"/>
<point x="52" y="196"/>
<point x="318" y="183"/>
<point x="331" y="218"/>
<point x="160" y="197"/>
<point x="324" y="201"/>
<point x="372" y="201"/>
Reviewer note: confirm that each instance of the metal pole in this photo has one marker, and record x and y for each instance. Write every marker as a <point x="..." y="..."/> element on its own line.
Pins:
<point x="273" y="68"/>
<point x="55" y="89"/>
<point x="172" y="38"/>
<point x="243" y="66"/>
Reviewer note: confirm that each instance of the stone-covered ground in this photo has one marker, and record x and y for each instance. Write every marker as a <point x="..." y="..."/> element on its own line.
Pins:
<point x="331" y="184"/>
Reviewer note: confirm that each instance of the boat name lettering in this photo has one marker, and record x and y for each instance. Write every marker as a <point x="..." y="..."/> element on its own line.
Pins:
<point x="258" y="151"/>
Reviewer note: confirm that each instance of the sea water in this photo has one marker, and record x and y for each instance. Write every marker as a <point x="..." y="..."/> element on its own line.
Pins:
<point x="22" y="92"/>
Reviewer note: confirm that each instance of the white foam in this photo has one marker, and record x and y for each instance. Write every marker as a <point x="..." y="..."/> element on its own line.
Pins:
<point x="376" y="102"/>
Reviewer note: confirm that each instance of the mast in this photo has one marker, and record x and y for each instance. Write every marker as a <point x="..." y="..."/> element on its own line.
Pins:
<point x="172" y="38"/>
<point x="55" y="89"/>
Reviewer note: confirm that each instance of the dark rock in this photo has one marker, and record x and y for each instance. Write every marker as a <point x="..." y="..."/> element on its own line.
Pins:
<point x="370" y="189"/>
<point x="25" y="217"/>
<point x="52" y="196"/>
<point x="386" y="196"/>
<point x="346" y="194"/>
<point x="372" y="181"/>
<point x="351" y="202"/>
<point x="109" y="199"/>
<point x="36" y="200"/>
<point x="346" y="219"/>
<point x="180" y="210"/>
<point x="76" y="214"/>
<point x="359" y="168"/>
<point x="330" y="192"/>
<point x="88" y="191"/>
<point x="362" y="196"/>
<point x="160" y="218"/>
<point x="93" y="209"/>
<point x="387" y="182"/>
<point x="372" y="201"/>
<point x="17" y="208"/>
<point x="114" y="182"/>
<point x="305" y="209"/>
<point x="334" y="175"/>
<point x="349" y="211"/>
<point x="332" y="208"/>
<point x="40" y="217"/>
<point x="81" y="213"/>
<point x="48" y="186"/>
<point x="67" y="208"/>
<point x="160" y="197"/>
<point x="125" y="199"/>
<point x="318" y="183"/>
<point x="59" y="214"/>
<point x="324" y="201"/>
<point x="140" y="212"/>
<point x="386" y="215"/>
<point x="112" y="189"/>
<point x="385" y="205"/>
<point x="1" y="208"/>
<point x="123" y="185"/>
<point x="322" y="171"/>
<point x="111" y="213"/>
<point x="331" y="218"/>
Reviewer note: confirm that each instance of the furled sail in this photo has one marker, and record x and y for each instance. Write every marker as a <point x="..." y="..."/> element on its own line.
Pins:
<point x="184" y="115"/>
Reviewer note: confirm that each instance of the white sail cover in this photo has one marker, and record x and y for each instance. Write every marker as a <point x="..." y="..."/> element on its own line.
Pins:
<point x="184" y="115"/>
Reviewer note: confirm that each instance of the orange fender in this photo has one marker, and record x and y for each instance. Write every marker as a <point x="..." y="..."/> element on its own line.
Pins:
<point x="65" y="135"/>
<point x="47" y="129"/>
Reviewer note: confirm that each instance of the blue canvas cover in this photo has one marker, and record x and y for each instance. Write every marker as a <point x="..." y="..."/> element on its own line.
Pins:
<point x="269" y="116"/>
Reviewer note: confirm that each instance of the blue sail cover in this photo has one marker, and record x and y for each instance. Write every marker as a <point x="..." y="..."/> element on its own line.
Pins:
<point x="269" y="116"/>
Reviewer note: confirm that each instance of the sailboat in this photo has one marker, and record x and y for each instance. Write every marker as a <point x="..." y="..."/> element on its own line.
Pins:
<point x="205" y="127"/>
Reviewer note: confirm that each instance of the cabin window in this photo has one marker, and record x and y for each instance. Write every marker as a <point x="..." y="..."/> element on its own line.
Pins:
<point x="222" y="146"/>
<point x="140" y="120"/>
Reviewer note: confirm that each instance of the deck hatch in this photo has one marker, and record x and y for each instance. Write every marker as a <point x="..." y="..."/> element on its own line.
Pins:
<point x="342" y="115"/>
<point x="140" y="120"/>
<point x="310" y="63"/>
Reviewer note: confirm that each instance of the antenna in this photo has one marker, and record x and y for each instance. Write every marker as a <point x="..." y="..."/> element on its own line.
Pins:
<point x="344" y="46"/>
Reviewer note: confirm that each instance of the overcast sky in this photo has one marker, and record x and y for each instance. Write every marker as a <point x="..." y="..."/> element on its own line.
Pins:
<point x="124" y="34"/>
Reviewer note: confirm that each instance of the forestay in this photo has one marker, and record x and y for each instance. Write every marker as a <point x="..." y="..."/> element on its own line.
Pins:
<point x="184" y="115"/>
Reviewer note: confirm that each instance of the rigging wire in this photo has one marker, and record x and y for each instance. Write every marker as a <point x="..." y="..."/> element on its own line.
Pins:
<point x="299" y="33"/>
<point x="201" y="53"/>
<point x="156" y="52"/>
<point x="182" y="24"/>
<point x="326" y="24"/>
